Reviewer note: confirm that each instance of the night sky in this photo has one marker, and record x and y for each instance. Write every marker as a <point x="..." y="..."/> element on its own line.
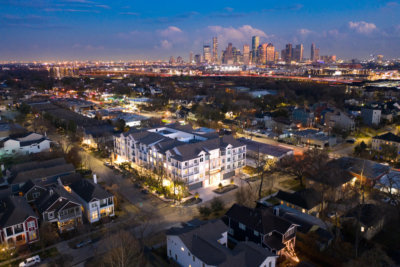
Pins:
<point x="127" y="30"/>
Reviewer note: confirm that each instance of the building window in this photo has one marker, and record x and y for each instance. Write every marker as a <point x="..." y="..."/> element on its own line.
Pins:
<point x="242" y="226"/>
<point x="31" y="224"/>
<point x="201" y="159"/>
<point x="256" y="233"/>
<point x="36" y="195"/>
<point x="231" y="231"/>
<point x="95" y="216"/>
<point x="51" y="215"/>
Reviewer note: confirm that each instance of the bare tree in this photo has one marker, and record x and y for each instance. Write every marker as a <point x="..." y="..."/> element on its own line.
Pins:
<point x="124" y="250"/>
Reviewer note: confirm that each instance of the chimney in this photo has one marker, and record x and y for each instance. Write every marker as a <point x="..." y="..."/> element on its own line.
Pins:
<point x="94" y="178"/>
<point x="59" y="181"/>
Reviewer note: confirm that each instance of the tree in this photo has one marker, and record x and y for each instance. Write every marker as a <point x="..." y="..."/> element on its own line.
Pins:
<point x="73" y="156"/>
<point x="360" y="149"/>
<point x="124" y="250"/>
<point x="48" y="235"/>
<point x="246" y="196"/>
<point x="388" y="152"/>
<point x="217" y="205"/>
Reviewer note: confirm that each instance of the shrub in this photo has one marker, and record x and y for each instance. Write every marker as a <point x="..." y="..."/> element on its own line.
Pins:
<point x="204" y="211"/>
<point x="217" y="205"/>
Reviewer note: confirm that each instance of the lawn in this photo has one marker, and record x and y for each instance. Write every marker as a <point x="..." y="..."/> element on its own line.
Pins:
<point x="291" y="184"/>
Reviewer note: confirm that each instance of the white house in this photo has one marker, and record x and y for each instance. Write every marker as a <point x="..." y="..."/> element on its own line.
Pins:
<point x="206" y="245"/>
<point x="27" y="143"/>
<point x="96" y="201"/>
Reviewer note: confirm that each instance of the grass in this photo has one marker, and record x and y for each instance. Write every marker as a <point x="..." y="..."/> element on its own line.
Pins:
<point x="291" y="184"/>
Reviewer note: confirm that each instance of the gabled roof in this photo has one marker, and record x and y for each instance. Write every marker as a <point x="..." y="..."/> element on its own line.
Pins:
<point x="202" y="242"/>
<point x="55" y="199"/>
<point x="88" y="190"/>
<point x="390" y="137"/>
<point x="261" y="220"/>
<point x="31" y="165"/>
<point x="267" y="149"/>
<point x="43" y="173"/>
<point x="306" y="198"/>
<point x="14" y="210"/>
<point x="368" y="168"/>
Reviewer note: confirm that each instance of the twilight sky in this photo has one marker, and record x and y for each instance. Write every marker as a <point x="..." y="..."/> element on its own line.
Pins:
<point x="137" y="29"/>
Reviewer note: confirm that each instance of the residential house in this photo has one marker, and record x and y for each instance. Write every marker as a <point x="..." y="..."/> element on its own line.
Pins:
<point x="371" y="117"/>
<point x="27" y="143"/>
<point x="96" y="201"/>
<point x="260" y="226"/>
<point x="18" y="222"/>
<point x="206" y="245"/>
<point x="369" y="217"/>
<point x="304" y="116"/>
<point x="390" y="183"/>
<point x="386" y="139"/>
<point x="339" y="119"/>
<point x="60" y="207"/>
<point x="306" y="200"/>
<point x="200" y="159"/>
<point x="314" y="138"/>
<point x="259" y="151"/>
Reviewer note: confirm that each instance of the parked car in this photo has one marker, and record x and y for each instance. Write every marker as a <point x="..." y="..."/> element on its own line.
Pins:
<point x="83" y="243"/>
<point x="351" y="141"/>
<point x="144" y="191"/>
<point x="30" y="261"/>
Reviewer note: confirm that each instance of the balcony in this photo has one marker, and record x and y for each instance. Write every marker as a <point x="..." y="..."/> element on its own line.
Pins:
<point x="69" y="216"/>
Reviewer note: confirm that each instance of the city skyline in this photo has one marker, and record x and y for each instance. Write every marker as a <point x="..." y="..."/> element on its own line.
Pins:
<point x="98" y="30"/>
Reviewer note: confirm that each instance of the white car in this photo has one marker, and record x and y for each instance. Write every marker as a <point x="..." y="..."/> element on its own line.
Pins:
<point x="30" y="261"/>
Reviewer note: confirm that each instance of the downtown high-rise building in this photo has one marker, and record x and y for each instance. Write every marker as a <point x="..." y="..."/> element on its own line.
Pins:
<point x="227" y="57"/>
<point x="262" y="55"/>
<point x="191" y="57"/>
<point x="207" y="53"/>
<point x="215" y="50"/>
<point x="270" y="57"/>
<point x="255" y="42"/>
<point x="288" y="53"/>
<point x="298" y="52"/>
<point x="314" y="56"/>
<point x="246" y="54"/>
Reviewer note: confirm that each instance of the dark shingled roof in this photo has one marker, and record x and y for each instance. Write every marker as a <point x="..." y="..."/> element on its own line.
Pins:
<point x="266" y="149"/>
<point x="333" y="175"/>
<point x="261" y="220"/>
<point x="41" y="173"/>
<point x="306" y="198"/>
<point x="370" y="214"/>
<point x="274" y="241"/>
<point x="390" y="137"/>
<point x="88" y="190"/>
<point x="27" y="166"/>
<point x="202" y="242"/>
<point x="55" y="199"/>
<point x="370" y="169"/>
<point x="14" y="210"/>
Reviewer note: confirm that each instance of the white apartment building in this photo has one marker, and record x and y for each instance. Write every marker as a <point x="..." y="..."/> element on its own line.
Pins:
<point x="180" y="153"/>
<point x="28" y="143"/>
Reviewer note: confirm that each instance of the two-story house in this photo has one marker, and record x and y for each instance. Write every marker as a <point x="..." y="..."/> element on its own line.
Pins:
<point x="60" y="207"/>
<point x="206" y="246"/>
<point x="96" y="201"/>
<point x="306" y="200"/>
<point x="18" y="222"/>
<point x="386" y="139"/>
<point x="260" y="226"/>
<point x="28" y="143"/>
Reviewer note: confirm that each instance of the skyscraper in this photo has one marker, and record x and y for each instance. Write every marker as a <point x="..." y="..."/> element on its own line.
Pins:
<point x="246" y="54"/>
<point x="215" y="50"/>
<point x="270" y="53"/>
<point x="207" y="53"/>
<point x="288" y="53"/>
<point x="255" y="42"/>
<point x="314" y="53"/>
<point x="298" y="52"/>
<point x="191" y="57"/>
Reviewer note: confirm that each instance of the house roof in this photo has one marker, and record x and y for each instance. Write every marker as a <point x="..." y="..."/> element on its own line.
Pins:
<point x="369" y="169"/>
<point x="261" y="220"/>
<point x="274" y="241"/>
<point x="27" y="166"/>
<point x="369" y="214"/>
<point x="333" y="175"/>
<point x="390" y="137"/>
<point x="42" y="173"/>
<point x="14" y="210"/>
<point x="306" y="198"/>
<point x="202" y="242"/>
<point x="55" y="199"/>
<point x="88" y="190"/>
<point x="266" y="149"/>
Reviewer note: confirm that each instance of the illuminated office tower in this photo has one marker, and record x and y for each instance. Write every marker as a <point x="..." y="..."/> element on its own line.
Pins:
<point x="298" y="52"/>
<point x="314" y="53"/>
<point x="207" y="53"/>
<point x="270" y="57"/>
<point x="276" y="59"/>
<point x="246" y="54"/>
<point x="288" y="53"/>
<point x="255" y="42"/>
<point x="263" y="54"/>
<point x="215" y="50"/>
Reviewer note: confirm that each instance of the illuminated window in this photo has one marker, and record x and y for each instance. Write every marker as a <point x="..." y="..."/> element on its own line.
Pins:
<point x="182" y="248"/>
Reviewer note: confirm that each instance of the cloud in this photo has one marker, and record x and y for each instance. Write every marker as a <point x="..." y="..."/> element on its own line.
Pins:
<point x="129" y="13"/>
<point x="165" y="44"/>
<point x="236" y="34"/>
<point x="71" y="10"/>
<point x="362" y="27"/>
<point x="304" y="32"/>
<point x="170" y="31"/>
<point x="283" y="8"/>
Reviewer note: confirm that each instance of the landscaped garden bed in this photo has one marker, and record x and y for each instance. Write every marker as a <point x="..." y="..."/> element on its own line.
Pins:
<point x="192" y="201"/>
<point x="225" y="189"/>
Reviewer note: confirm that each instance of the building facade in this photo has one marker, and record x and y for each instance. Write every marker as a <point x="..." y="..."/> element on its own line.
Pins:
<point x="180" y="154"/>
